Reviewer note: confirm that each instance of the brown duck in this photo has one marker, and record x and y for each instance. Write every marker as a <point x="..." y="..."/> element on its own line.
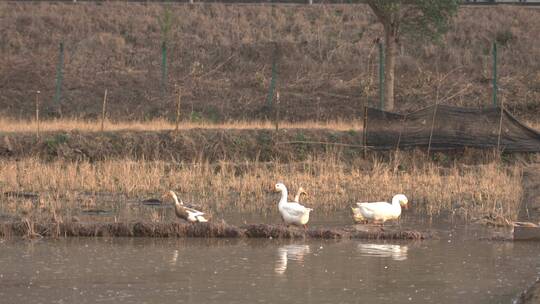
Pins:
<point x="184" y="212"/>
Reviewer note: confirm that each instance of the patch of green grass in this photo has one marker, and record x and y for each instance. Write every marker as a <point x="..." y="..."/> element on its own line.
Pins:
<point x="195" y="117"/>
<point x="55" y="141"/>
<point x="352" y="132"/>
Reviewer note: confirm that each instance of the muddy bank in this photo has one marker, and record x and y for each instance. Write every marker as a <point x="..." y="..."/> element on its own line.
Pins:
<point x="529" y="211"/>
<point x="531" y="295"/>
<point x="205" y="230"/>
<point x="530" y="206"/>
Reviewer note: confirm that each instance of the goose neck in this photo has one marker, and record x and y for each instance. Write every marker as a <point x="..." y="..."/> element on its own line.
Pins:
<point x="284" y="195"/>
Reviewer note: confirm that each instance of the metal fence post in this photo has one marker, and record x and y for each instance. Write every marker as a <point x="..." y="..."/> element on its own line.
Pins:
<point x="364" y="131"/>
<point x="59" y="74"/>
<point x="103" y="110"/>
<point x="270" y="96"/>
<point x="495" y="87"/>
<point x="163" y="68"/>
<point x="37" y="113"/>
<point x="381" y="75"/>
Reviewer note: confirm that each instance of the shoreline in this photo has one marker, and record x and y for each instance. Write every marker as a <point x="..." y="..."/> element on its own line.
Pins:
<point x="28" y="229"/>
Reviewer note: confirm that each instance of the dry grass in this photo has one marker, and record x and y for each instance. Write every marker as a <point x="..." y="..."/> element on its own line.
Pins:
<point x="533" y="124"/>
<point x="52" y="125"/>
<point x="67" y="187"/>
<point x="221" y="56"/>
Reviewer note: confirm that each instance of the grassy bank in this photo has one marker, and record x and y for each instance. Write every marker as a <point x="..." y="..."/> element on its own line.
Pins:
<point x="62" y="189"/>
<point x="189" y="144"/>
<point x="74" y="140"/>
<point x="221" y="55"/>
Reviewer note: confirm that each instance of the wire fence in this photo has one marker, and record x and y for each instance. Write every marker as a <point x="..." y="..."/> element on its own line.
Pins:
<point x="156" y="73"/>
<point x="464" y="2"/>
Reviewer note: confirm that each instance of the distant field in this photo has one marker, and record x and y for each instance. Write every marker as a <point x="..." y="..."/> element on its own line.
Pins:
<point x="221" y="56"/>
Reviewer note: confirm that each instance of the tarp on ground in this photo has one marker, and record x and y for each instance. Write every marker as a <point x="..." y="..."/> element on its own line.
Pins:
<point x="449" y="128"/>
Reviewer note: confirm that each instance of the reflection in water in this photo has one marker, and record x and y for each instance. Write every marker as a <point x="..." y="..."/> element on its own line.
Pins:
<point x="290" y="252"/>
<point x="174" y="258"/>
<point x="396" y="252"/>
<point x="217" y="271"/>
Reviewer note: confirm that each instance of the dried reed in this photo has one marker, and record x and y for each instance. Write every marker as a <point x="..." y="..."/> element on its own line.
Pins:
<point x="73" y="124"/>
<point x="64" y="187"/>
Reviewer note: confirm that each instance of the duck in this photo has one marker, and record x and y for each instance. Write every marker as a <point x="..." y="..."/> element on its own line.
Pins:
<point x="383" y="211"/>
<point x="299" y="194"/>
<point x="184" y="212"/>
<point x="357" y="216"/>
<point x="292" y="213"/>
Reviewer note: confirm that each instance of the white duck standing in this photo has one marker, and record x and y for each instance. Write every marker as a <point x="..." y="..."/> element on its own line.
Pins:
<point x="383" y="211"/>
<point x="292" y="213"/>
<point x="184" y="212"/>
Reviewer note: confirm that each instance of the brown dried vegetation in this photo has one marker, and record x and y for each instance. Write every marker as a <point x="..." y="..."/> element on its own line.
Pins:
<point x="221" y="56"/>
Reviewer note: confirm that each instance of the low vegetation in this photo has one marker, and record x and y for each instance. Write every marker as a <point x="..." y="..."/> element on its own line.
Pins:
<point x="82" y="125"/>
<point x="62" y="189"/>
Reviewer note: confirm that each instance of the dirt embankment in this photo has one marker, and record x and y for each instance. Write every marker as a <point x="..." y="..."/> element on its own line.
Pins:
<point x="187" y="145"/>
<point x="221" y="55"/>
<point x="140" y="229"/>
<point x="531" y="295"/>
<point x="530" y="207"/>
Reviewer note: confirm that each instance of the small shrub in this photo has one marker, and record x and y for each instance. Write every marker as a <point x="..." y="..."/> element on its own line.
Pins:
<point x="504" y="37"/>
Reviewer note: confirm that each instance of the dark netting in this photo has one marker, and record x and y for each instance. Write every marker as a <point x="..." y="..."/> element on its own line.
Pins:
<point x="449" y="128"/>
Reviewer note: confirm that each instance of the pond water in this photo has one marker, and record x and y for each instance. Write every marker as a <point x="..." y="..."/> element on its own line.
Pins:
<point x="455" y="268"/>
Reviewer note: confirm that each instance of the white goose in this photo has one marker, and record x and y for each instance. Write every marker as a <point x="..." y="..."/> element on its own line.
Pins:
<point x="184" y="212"/>
<point x="292" y="213"/>
<point x="383" y="211"/>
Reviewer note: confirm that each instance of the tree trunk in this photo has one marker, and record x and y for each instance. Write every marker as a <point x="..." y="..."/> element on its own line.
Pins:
<point x="389" y="69"/>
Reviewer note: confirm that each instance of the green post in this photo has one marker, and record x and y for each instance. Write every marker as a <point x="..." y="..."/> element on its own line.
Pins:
<point x="381" y="75"/>
<point x="270" y="96"/>
<point x="59" y="74"/>
<point x="163" y="68"/>
<point x="495" y="87"/>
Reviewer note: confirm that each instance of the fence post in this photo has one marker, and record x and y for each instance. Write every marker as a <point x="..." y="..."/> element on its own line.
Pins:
<point x="318" y="108"/>
<point x="178" y="111"/>
<point x="432" y="127"/>
<point x="273" y="79"/>
<point x="163" y="68"/>
<point x="103" y="110"/>
<point x="59" y="74"/>
<point x="37" y="112"/>
<point x="270" y="96"/>
<point x="381" y="75"/>
<point x="495" y="87"/>
<point x="277" y="111"/>
<point x="364" y="135"/>
<point x="500" y="129"/>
